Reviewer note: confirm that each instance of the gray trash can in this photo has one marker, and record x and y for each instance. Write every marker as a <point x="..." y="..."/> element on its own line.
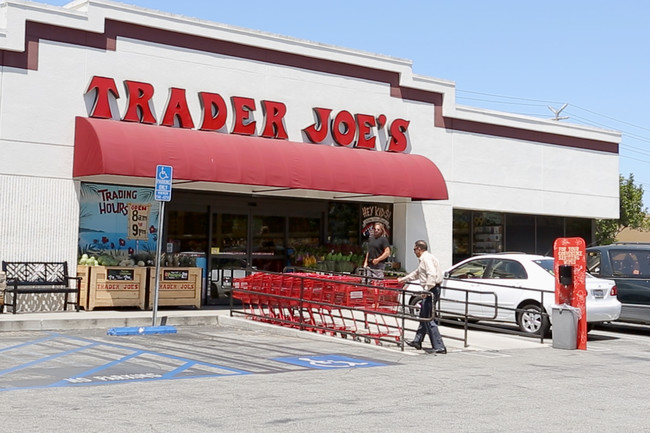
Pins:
<point x="565" y="326"/>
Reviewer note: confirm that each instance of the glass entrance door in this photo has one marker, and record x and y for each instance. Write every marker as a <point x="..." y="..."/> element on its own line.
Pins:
<point x="240" y="241"/>
<point x="228" y="254"/>
<point x="267" y="242"/>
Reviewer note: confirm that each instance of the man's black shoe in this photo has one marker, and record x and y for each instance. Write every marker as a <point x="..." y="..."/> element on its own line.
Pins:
<point x="442" y="351"/>
<point x="415" y="344"/>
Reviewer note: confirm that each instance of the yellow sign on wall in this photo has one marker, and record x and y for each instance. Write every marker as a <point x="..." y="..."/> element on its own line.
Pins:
<point x="138" y="221"/>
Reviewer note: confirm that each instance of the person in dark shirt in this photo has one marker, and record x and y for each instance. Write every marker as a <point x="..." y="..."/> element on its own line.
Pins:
<point x="378" y="251"/>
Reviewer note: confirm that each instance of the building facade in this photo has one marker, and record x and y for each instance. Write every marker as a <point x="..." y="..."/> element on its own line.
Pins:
<point x="281" y="148"/>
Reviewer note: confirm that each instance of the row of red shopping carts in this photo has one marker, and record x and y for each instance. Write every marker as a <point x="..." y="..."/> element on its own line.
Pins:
<point x="334" y="304"/>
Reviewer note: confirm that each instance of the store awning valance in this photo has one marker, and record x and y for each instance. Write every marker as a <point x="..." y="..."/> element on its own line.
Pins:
<point x="109" y="148"/>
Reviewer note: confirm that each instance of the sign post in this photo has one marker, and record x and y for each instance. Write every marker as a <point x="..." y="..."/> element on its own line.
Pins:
<point x="163" y="193"/>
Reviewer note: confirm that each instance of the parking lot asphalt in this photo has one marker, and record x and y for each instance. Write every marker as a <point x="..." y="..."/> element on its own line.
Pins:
<point x="249" y="377"/>
<point x="106" y="319"/>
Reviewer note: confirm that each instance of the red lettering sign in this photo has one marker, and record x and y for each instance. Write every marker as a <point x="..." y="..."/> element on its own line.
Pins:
<point x="317" y="133"/>
<point x="397" y="130"/>
<point x="344" y="128"/>
<point x="138" y="108"/>
<point x="358" y="130"/>
<point x="366" y="139"/>
<point x="102" y="106"/>
<point x="243" y="108"/>
<point x="214" y="111"/>
<point x="274" y="120"/>
<point x="177" y="109"/>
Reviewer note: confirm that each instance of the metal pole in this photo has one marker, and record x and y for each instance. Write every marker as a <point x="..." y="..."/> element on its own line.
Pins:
<point x="161" y="216"/>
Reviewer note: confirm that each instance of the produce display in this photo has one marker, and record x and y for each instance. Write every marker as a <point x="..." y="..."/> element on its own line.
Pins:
<point x="115" y="260"/>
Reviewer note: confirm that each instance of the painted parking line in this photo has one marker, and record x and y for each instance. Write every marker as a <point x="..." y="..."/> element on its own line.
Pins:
<point x="130" y="364"/>
<point x="68" y="361"/>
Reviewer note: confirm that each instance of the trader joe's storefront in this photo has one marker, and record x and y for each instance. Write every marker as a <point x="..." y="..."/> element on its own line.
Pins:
<point x="222" y="233"/>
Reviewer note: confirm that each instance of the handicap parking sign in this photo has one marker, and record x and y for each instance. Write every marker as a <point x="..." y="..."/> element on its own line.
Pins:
<point x="164" y="182"/>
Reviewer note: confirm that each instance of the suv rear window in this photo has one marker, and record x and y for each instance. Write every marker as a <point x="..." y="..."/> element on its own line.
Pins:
<point x="630" y="263"/>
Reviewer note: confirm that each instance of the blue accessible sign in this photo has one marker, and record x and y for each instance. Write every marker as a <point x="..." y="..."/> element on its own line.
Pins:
<point x="164" y="182"/>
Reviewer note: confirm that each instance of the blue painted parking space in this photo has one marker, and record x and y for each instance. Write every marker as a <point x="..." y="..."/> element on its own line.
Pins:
<point x="59" y="360"/>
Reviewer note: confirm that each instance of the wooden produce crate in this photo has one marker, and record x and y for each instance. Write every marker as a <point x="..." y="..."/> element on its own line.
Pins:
<point x="112" y="286"/>
<point x="176" y="287"/>
<point x="83" y="271"/>
<point x="3" y="286"/>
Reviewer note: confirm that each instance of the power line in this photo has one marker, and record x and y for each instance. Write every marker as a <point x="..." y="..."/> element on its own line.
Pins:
<point x="627" y="135"/>
<point x="541" y="102"/>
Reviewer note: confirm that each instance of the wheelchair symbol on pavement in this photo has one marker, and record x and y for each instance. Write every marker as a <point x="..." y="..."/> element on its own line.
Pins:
<point x="332" y="363"/>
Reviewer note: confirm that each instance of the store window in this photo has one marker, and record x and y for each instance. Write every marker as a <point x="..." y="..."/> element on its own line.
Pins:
<point x="477" y="232"/>
<point x="487" y="232"/>
<point x="304" y="232"/>
<point x="187" y="231"/>
<point x="343" y="223"/>
<point x="267" y="246"/>
<point x="520" y="233"/>
<point x="462" y="227"/>
<point x="229" y="234"/>
<point x="580" y="228"/>
<point x="549" y="228"/>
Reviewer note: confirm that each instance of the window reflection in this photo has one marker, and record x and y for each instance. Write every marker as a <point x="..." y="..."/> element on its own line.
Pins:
<point x="268" y="235"/>
<point x="230" y="233"/>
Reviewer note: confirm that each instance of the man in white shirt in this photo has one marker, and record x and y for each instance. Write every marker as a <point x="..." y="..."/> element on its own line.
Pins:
<point x="429" y="276"/>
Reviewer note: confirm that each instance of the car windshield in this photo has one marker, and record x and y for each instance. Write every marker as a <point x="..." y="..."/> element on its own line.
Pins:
<point x="546" y="264"/>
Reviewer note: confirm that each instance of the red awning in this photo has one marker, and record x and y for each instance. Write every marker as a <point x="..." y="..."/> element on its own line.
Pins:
<point x="105" y="147"/>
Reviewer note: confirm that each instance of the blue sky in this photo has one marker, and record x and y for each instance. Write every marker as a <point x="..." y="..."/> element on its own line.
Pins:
<point x="510" y="55"/>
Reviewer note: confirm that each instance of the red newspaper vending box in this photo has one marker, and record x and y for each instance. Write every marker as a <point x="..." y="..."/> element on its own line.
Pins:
<point x="570" y="273"/>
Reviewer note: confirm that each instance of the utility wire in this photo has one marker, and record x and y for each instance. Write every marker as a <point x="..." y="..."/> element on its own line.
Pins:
<point x="542" y="104"/>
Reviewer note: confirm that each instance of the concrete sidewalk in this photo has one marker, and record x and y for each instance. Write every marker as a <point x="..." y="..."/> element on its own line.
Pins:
<point x="220" y="316"/>
<point x="59" y="320"/>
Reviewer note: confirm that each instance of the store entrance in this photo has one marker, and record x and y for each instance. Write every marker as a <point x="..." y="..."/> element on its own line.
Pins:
<point x="229" y="234"/>
<point x="264" y="242"/>
<point x="240" y="241"/>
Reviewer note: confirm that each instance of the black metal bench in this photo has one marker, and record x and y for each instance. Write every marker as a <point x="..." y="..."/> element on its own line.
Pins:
<point x="36" y="278"/>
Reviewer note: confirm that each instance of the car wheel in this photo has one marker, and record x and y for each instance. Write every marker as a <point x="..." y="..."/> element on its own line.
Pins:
<point x="531" y="320"/>
<point x="415" y="303"/>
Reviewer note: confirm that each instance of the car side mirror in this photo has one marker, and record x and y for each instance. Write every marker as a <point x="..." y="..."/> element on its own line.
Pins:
<point x="446" y="275"/>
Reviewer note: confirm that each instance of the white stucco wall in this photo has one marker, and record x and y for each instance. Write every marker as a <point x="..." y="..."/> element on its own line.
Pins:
<point x="38" y="108"/>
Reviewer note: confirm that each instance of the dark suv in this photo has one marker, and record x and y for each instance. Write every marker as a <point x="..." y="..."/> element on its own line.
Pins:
<point x="629" y="265"/>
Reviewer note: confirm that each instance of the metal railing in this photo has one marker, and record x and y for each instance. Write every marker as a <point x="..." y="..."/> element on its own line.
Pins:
<point x="492" y="322"/>
<point x="357" y="307"/>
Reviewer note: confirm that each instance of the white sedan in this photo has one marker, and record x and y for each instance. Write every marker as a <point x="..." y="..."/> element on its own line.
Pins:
<point x="516" y="288"/>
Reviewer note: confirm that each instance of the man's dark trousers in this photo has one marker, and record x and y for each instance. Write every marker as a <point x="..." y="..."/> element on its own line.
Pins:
<point x="429" y="327"/>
